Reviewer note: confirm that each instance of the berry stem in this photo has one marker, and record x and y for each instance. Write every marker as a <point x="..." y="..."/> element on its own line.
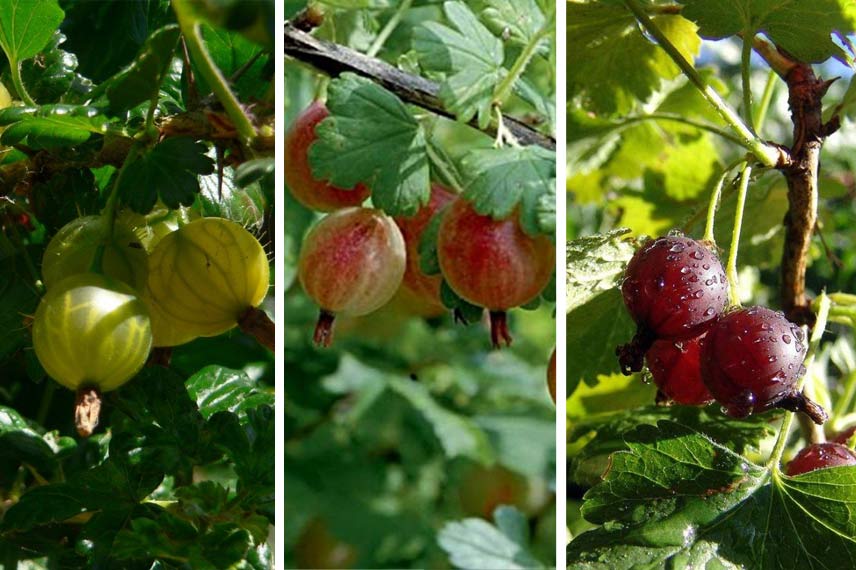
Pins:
<point x="257" y="324"/>
<point x="499" y="332"/>
<point x="390" y="26"/>
<point x="715" y="198"/>
<point x="731" y="267"/>
<point x="87" y="410"/>
<point x="823" y="305"/>
<point x="190" y="29"/>
<point x="631" y="356"/>
<point x="766" y="99"/>
<point x="746" y="77"/>
<point x="765" y="153"/>
<point x="324" y="329"/>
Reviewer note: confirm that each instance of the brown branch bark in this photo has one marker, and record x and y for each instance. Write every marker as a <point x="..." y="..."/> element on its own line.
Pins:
<point x="333" y="60"/>
<point x="805" y="94"/>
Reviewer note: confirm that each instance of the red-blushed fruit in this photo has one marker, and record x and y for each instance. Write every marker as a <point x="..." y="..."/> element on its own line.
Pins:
<point x="675" y="366"/>
<point x="312" y="193"/>
<point x="482" y="489"/>
<point x="673" y="286"/>
<point x="352" y="262"/>
<point x="844" y="436"/>
<point x="751" y="361"/>
<point x="318" y="548"/>
<point x="492" y="263"/>
<point x="820" y="456"/>
<point x="551" y="376"/>
<point x="425" y="287"/>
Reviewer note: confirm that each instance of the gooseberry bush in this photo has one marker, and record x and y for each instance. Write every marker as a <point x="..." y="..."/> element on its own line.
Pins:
<point x="420" y="280"/>
<point x="710" y="280"/>
<point x="136" y="216"/>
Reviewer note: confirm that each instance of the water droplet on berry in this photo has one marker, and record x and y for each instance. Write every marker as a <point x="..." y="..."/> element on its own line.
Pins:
<point x="677" y="247"/>
<point x="696" y="254"/>
<point x="786" y="338"/>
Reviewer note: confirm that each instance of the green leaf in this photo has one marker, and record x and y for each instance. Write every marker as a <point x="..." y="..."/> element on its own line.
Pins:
<point x="470" y="57"/>
<point x="803" y="29"/>
<point x="140" y="81"/>
<point x="26" y="26"/>
<point x="53" y="132"/>
<point x="170" y="170"/>
<point x="501" y="179"/>
<point x="595" y="329"/>
<point x="218" y="389"/>
<point x="464" y="311"/>
<point x="611" y="65"/>
<point x="52" y="76"/>
<point x="230" y="52"/>
<point x="18" y="297"/>
<point x="113" y="485"/>
<point x="595" y="264"/>
<point x="458" y="435"/>
<point x="371" y="137"/>
<point x="518" y="20"/>
<point x="676" y="499"/>
<point x="21" y="445"/>
<point x="474" y="544"/>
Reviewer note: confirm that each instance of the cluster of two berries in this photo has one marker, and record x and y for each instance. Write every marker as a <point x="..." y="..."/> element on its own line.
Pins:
<point x="355" y="259"/>
<point x="697" y="350"/>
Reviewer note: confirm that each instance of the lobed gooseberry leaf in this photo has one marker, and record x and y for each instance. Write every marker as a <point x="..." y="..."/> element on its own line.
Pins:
<point x="458" y="435"/>
<point x="26" y="26"/>
<point x="677" y="499"/>
<point x="517" y="20"/>
<point x="474" y="544"/>
<point x="803" y="29"/>
<point x="611" y="64"/>
<point x="18" y="298"/>
<point x="595" y="328"/>
<point x="595" y="264"/>
<point x="230" y="52"/>
<point x="470" y="56"/>
<point x="52" y="75"/>
<point x="371" y="137"/>
<point x="140" y="80"/>
<point x="217" y="389"/>
<point x="501" y="180"/>
<point x="168" y="171"/>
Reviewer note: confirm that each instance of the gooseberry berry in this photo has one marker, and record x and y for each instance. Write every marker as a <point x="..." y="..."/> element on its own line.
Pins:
<point x="424" y="287"/>
<point x="844" y="436"/>
<point x="675" y="366"/>
<point x="306" y="189"/>
<point x="751" y="361"/>
<point x="672" y="287"/>
<point x="482" y="489"/>
<point x="317" y="547"/>
<point x="492" y="263"/>
<point x="75" y="246"/>
<point x="352" y="262"/>
<point x="205" y="278"/>
<point x="821" y="456"/>
<point x="91" y="334"/>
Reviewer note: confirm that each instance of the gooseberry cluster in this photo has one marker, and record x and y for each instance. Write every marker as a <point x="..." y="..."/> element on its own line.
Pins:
<point x="115" y="290"/>
<point x="355" y="259"/>
<point x="697" y="350"/>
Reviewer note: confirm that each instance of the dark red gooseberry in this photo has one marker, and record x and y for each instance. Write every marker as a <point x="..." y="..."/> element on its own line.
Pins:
<point x="751" y="361"/>
<point x="306" y="189"/>
<point x="675" y="366"/>
<point x="844" y="436"/>
<point x="493" y="263"/>
<point x="425" y="288"/>
<point x="673" y="287"/>
<point x="821" y="456"/>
